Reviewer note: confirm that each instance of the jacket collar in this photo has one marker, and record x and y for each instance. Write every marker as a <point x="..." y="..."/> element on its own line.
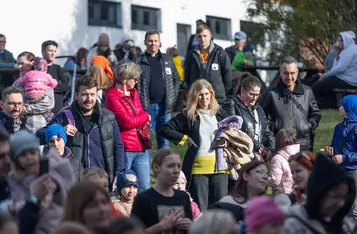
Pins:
<point x="242" y="104"/>
<point x="144" y="58"/>
<point x="299" y="88"/>
<point x="97" y="109"/>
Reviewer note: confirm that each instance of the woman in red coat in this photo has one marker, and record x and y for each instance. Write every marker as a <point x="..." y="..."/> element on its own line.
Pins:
<point x="123" y="100"/>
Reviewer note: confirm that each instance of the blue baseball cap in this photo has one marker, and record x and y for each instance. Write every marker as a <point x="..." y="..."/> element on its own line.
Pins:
<point x="240" y="35"/>
<point x="126" y="178"/>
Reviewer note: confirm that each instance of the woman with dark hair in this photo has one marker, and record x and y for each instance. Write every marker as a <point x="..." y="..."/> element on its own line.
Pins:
<point x="253" y="179"/>
<point x="80" y="59"/>
<point x="255" y="124"/>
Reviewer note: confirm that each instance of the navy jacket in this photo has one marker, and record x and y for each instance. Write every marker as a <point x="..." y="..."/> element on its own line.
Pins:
<point x="100" y="147"/>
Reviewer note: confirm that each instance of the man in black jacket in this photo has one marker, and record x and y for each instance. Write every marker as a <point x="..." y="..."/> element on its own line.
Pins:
<point x="210" y="62"/>
<point x="158" y="85"/>
<point x="12" y="105"/>
<point x="49" y="51"/>
<point x="292" y="105"/>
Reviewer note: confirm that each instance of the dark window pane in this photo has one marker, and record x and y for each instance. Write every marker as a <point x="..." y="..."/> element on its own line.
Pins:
<point x="146" y="18"/>
<point x="91" y="10"/>
<point x="112" y="15"/>
<point x="218" y="27"/>
<point x="209" y="23"/>
<point x="134" y="16"/>
<point x="104" y="12"/>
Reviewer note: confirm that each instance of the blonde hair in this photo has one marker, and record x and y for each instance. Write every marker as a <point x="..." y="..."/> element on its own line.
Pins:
<point x="100" y="76"/>
<point x="126" y="71"/>
<point x="159" y="157"/>
<point x="192" y="98"/>
<point x="213" y="221"/>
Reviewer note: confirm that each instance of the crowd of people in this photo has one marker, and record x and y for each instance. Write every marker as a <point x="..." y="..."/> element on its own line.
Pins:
<point x="249" y="166"/>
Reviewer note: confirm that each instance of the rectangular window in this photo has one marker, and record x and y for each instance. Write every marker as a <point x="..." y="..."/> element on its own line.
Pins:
<point x="145" y="18"/>
<point x="104" y="13"/>
<point x="221" y="27"/>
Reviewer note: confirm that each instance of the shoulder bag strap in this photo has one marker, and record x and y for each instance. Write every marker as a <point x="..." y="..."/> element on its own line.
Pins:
<point x="306" y="224"/>
<point x="131" y="106"/>
<point x="299" y="106"/>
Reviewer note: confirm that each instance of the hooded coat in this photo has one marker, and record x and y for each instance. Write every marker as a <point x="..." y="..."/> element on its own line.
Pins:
<point x="306" y="218"/>
<point x="344" y="140"/>
<point x="346" y="66"/>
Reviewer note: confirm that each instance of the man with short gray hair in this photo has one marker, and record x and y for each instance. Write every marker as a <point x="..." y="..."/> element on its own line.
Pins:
<point x="292" y="105"/>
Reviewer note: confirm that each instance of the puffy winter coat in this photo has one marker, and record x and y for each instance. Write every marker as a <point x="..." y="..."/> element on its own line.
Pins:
<point x="280" y="173"/>
<point x="129" y="114"/>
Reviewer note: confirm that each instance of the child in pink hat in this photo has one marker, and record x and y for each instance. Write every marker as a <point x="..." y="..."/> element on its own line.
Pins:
<point x="263" y="216"/>
<point x="181" y="185"/>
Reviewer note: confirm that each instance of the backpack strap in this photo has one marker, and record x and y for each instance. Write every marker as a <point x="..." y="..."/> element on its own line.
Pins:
<point x="306" y="224"/>
<point x="69" y="117"/>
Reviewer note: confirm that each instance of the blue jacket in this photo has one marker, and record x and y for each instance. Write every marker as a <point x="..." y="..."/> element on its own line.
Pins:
<point x="7" y="60"/>
<point x="100" y="147"/>
<point x="349" y="152"/>
<point x="344" y="139"/>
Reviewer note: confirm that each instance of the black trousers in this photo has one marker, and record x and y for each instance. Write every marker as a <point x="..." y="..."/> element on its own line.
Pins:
<point x="323" y="90"/>
<point x="208" y="189"/>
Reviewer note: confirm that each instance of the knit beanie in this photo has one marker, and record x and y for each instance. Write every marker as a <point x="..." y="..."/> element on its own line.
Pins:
<point x="182" y="175"/>
<point x="262" y="210"/>
<point x="126" y="178"/>
<point x="55" y="130"/>
<point x="21" y="141"/>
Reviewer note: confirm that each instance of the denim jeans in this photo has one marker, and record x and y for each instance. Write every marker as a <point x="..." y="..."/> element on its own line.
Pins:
<point x="353" y="174"/>
<point x="139" y="162"/>
<point x="158" y="118"/>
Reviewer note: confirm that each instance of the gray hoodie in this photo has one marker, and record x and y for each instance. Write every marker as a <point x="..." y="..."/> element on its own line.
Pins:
<point x="346" y="66"/>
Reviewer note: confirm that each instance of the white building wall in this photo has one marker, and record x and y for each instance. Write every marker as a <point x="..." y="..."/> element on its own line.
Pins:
<point x="27" y="24"/>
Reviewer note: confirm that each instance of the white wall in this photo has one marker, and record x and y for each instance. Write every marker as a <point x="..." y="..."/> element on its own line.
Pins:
<point x="27" y="24"/>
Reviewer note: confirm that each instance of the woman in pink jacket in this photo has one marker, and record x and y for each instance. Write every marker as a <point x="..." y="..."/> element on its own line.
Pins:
<point x="280" y="177"/>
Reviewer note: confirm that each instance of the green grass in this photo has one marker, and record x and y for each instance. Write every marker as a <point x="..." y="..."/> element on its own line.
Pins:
<point x="323" y="134"/>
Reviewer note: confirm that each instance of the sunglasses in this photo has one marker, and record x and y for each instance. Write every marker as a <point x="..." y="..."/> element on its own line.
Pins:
<point x="299" y="155"/>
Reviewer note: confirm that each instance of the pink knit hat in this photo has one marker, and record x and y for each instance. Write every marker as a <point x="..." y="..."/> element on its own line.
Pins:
<point x="182" y="175"/>
<point x="260" y="211"/>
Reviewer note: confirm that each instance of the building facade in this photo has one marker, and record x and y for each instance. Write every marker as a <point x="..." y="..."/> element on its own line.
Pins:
<point x="77" y="23"/>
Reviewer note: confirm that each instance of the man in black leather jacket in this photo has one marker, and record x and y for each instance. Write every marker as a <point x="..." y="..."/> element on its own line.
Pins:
<point x="292" y="105"/>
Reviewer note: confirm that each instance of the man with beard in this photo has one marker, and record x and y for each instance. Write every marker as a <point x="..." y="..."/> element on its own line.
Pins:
<point x="12" y="103"/>
<point x="92" y="132"/>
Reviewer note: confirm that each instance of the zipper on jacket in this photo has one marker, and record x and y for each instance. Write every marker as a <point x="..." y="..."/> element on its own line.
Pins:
<point x="292" y="116"/>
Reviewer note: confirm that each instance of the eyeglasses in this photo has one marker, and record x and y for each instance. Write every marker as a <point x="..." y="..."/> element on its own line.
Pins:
<point x="13" y="104"/>
<point x="261" y="172"/>
<point x="299" y="155"/>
